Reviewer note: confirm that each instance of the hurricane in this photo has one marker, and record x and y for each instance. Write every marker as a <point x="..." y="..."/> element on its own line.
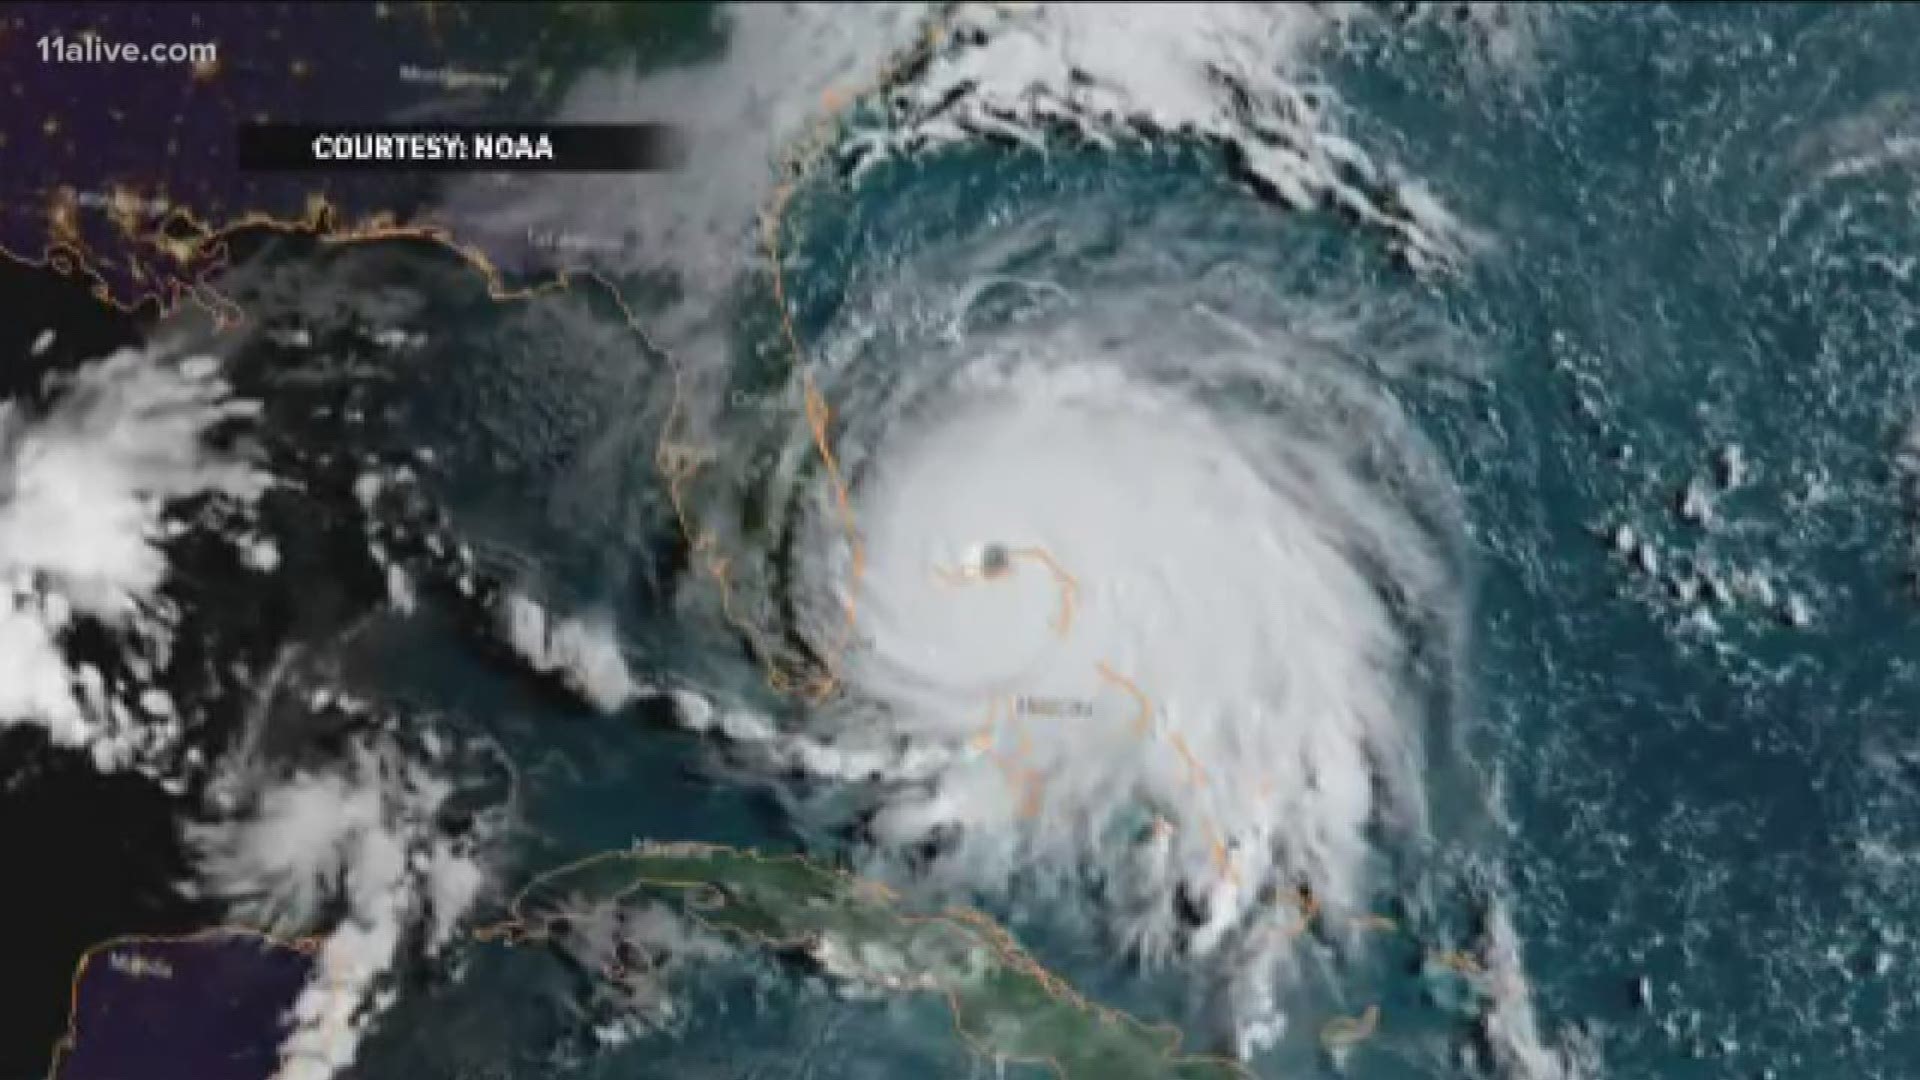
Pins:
<point x="1072" y="554"/>
<point x="1107" y="541"/>
<point x="1023" y="536"/>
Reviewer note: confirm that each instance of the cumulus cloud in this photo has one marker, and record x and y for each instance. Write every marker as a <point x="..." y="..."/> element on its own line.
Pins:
<point x="1510" y="1026"/>
<point x="641" y="949"/>
<point x="35" y="683"/>
<point x="584" y="656"/>
<point x="1237" y="74"/>
<point x="362" y="837"/>
<point x="85" y="489"/>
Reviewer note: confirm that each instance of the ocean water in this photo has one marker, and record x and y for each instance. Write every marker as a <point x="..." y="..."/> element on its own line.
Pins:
<point x="1699" y="223"/>
<point x="1681" y="754"/>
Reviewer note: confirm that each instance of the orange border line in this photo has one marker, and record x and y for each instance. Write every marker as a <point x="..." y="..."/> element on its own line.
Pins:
<point x="968" y="921"/>
<point x="308" y="946"/>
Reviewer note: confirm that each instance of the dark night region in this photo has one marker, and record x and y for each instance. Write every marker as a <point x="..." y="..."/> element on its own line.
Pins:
<point x="113" y="836"/>
<point x="127" y="181"/>
<point x="108" y="837"/>
<point x="206" y="1007"/>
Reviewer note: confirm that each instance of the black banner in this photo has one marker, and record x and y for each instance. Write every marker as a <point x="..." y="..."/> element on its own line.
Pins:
<point x="597" y="147"/>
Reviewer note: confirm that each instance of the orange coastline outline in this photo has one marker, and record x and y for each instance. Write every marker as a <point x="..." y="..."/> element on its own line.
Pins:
<point x="975" y="925"/>
<point x="304" y="945"/>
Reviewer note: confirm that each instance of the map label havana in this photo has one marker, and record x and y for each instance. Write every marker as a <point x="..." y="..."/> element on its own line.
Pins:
<point x="580" y="147"/>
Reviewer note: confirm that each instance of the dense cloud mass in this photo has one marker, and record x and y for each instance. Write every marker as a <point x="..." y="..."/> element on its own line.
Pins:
<point x="90" y="489"/>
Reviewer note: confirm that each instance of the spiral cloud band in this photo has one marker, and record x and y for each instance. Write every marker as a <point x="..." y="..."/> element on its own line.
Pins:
<point x="1120" y="585"/>
<point x="1083" y="552"/>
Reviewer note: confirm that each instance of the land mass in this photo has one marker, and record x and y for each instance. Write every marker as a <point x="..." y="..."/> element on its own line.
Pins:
<point x="1005" y="1005"/>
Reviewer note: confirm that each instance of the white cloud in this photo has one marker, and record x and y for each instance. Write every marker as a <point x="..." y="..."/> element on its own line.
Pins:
<point x="585" y="656"/>
<point x="1241" y="74"/>
<point x="740" y="109"/>
<point x="1511" y="1028"/>
<point x="362" y="834"/>
<point x="84" y="489"/>
<point x="34" y="680"/>
<point x="607" y="936"/>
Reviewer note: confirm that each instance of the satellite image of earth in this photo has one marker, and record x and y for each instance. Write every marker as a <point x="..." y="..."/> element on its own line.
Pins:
<point x="1039" y="540"/>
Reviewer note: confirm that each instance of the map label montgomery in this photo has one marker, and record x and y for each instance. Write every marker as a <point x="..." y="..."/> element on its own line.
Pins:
<point x="92" y="49"/>
<point x="451" y="78"/>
